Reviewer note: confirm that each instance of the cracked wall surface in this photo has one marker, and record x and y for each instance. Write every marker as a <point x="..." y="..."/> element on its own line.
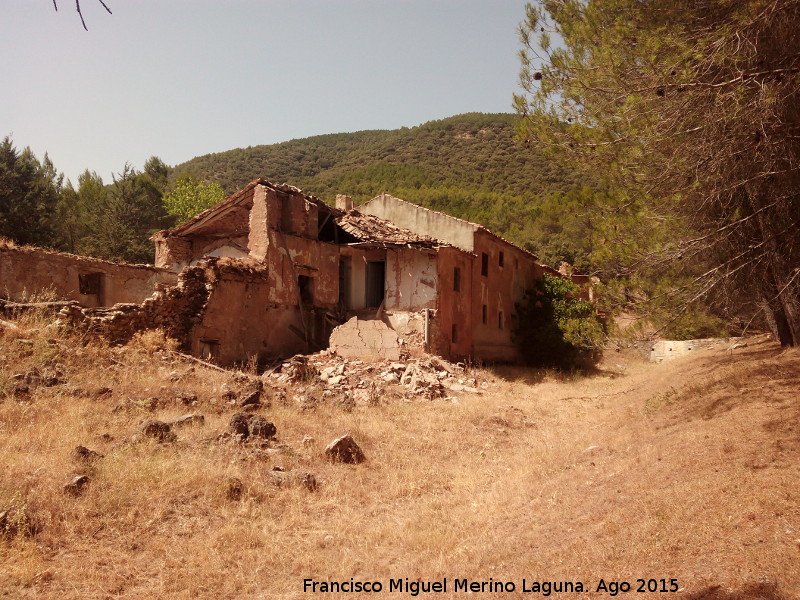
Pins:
<point x="365" y="340"/>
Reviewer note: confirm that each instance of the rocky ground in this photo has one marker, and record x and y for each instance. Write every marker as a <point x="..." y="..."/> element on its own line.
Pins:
<point x="136" y="472"/>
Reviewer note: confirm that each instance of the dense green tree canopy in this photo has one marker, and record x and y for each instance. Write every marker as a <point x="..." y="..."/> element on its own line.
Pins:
<point x="190" y="197"/>
<point x="29" y="192"/>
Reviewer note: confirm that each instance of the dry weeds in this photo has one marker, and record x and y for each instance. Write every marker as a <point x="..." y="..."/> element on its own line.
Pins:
<point x="683" y="470"/>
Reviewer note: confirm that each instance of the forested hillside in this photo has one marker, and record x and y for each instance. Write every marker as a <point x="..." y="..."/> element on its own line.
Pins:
<point x="470" y="166"/>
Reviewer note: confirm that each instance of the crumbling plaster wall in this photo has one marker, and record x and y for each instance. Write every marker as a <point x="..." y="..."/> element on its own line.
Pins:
<point x="27" y="270"/>
<point x="502" y="287"/>
<point x="240" y="321"/>
<point x="411" y="276"/>
<point x="453" y="306"/>
<point x="289" y="257"/>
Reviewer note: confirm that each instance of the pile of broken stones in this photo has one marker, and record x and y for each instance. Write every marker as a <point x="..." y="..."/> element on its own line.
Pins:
<point x="327" y="377"/>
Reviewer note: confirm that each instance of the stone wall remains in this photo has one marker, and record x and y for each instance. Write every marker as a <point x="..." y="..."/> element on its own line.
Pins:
<point x="26" y="271"/>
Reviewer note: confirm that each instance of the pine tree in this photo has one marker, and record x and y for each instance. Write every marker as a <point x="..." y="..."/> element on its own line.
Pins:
<point x="29" y="192"/>
<point x="690" y="110"/>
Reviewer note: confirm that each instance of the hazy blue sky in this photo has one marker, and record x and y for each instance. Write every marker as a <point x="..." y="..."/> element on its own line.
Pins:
<point x="180" y="78"/>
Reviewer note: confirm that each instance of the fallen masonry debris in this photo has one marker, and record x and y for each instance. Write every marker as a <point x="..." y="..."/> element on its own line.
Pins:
<point x="366" y="340"/>
<point x="329" y="376"/>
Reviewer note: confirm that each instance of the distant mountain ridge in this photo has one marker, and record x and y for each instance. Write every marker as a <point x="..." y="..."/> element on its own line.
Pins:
<point x="470" y="166"/>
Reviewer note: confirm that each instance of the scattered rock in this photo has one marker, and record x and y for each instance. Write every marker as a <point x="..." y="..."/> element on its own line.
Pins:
<point x="102" y="392"/>
<point x="308" y="481"/>
<point x="186" y="398"/>
<point x="260" y="427"/>
<point x="228" y="395"/>
<point x="250" y="400"/>
<point x="193" y="419"/>
<point x="345" y="450"/>
<point x="82" y="454"/>
<point x="234" y="489"/>
<point x="157" y="430"/>
<point x="246" y="426"/>
<point x="336" y="380"/>
<point x="295" y="369"/>
<point x="76" y="485"/>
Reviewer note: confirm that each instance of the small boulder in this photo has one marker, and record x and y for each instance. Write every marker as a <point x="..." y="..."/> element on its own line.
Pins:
<point x="235" y="489"/>
<point x="158" y="430"/>
<point x="238" y="425"/>
<point x="82" y="454"/>
<point x="246" y="425"/>
<point x="253" y="394"/>
<point x="251" y="399"/>
<point x="345" y="450"/>
<point x="193" y="419"/>
<point x="260" y="427"/>
<point x="76" y="485"/>
<point x="187" y="398"/>
<point x="308" y="481"/>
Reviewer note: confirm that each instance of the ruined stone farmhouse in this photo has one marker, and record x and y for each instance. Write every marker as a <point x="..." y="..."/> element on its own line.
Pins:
<point x="271" y="271"/>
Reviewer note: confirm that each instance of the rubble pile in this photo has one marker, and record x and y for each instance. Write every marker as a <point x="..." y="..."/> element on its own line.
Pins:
<point x="326" y="376"/>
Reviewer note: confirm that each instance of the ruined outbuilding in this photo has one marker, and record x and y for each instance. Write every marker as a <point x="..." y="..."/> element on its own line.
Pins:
<point x="270" y="272"/>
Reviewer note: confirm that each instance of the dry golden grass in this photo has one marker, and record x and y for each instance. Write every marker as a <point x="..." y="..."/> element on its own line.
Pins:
<point x="686" y="470"/>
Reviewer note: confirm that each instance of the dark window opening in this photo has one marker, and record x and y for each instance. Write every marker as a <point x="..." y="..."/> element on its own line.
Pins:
<point x="306" y="285"/>
<point x="500" y="319"/>
<point x="456" y="279"/>
<point x="455" y="333"/>
<point x="484" y="264"/>
<point x="500" y="259"/>
<point x="376" y="283"/>
<point x="209" y="349"/>
<point x="485" y="314"/>
<point x="328" y="230"/>
<point x="91" y="284"/>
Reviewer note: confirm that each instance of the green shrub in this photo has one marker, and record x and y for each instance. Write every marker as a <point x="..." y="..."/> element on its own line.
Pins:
<point x="556" y="327"/>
